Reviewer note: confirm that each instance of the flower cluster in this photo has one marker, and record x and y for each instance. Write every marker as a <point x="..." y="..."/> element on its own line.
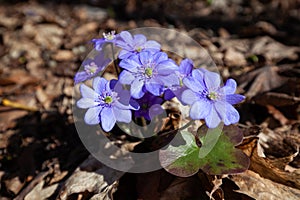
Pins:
<point x="149" y="77"/>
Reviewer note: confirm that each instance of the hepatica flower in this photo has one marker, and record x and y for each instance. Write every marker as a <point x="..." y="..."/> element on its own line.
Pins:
<point x="148" y="72"/>
<point x="107" y="38"/>
<point x="107" y="103"/>
<point x="209" y="100"/>
<point x="132" y="45"/>
<point x="184" y="70"/>
<point x="91" y="67"/>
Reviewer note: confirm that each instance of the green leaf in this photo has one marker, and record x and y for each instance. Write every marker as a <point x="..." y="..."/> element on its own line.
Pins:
<point x="217" y="154"/>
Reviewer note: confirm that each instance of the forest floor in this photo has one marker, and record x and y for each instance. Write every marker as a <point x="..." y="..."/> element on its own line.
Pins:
<point x="43" y="44"/>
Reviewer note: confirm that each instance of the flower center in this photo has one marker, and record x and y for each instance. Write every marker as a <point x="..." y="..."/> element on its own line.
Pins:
<point x="108" y="99"/>
<point x="213" y="96"/>
<point x="139" y="49"/>
<point x="109" y="36"/>
<point x="91" y="68"/>
<point x="149" y="71"/>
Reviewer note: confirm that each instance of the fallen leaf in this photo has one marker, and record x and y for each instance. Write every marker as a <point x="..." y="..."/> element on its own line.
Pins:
<point x="99" y="179"/>
<point x="266" y="168"/>
<point x="259" y="80"/>
<point x="260" y="188"/>
<point x="40" y="192"/>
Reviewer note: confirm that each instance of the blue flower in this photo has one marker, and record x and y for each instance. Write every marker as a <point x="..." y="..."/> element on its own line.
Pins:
<point x="132" y="45"/>
<point x="105" y="105"/>
<point x="91" y="67"/>
<point x="209" y="100"/>
<point x="148" y="72"/>
<point x="150" y="106"/>
<point x="184" y="70"/>
<point x="107" y="38"/>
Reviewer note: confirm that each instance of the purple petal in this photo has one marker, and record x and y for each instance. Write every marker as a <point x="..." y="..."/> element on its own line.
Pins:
<point x="198" y="75"/>
<point x="108" y="119"/>
<point x="136" y="89"/>
<point x="234" y="98"/>
<point x="232" y="115"/>
<point x="122" y="115"/>
<point x="220" y="107"/>
<point x="193" y="84"/>
<point x="154" y="88"/>
<point x="87" y="92"/>
<point x="230" y="86"/>
<point x="98" y="43"/>
<point x="130" y="64"/>
<point x="139" y="39"/>
<point x="91" y="116"/>
<point x="99" y="84"/>
<point x="126" y="77"/>
<point x="81" y="76"/>
<point x="168" y="95"/>
<point x="212" y="80"/>
<point x="200" y="109"/>
<point x="169" y="80"/>
<point x="125" y="54"/>
<point x="212" y="119"/>
<point x="151" y="44"/>
<point x="186" y="66"/>
<point x="126" y="37"/>
<point x="145" y="57"/>
<point x="166" y="67"/>
<point x="189" y="97"/>
<point x="86" y="103"/>
<point x="160" y="57"/>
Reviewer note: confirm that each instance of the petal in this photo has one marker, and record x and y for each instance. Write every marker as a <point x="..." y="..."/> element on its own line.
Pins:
<point x="220" y="107"/>
<point x="154" y="88"/>
<point x="91" y="116"/>
<point x="136" y="89"/>
<point x="99" y="84"/>
<point x="126" y="77"/>
<point x="144" y="57"/>
<point x="229" y="87"/>
<point x="189" y="97"/>
<point x="198" y="75"/>
<point x="212" y="119"/>
<point x="130" y="63"/>
<point x="87" y="92"/>
<point x="212" y="80"/>
<point x="186" y="66"/>
<point x="108" y="119"/>
<point x="122" y="115"/>
<point x="151" y="44"/>
<point x="200" y="109"/>
<point x="125" y="54"/>
<point x="160" y="57"/>
<point x="169" y="80"/>
<point x="126" y="37"/>
<point x="139" y="39"/>
<point x="81" y="76"/>
<point x="232" y="115"/>
<point x="168" y="95"/>
<point x="86" y="103"/>
<point x="166" y="67"/>
<point x="193" y="84"/>
<point x="98" y="43"/>
<point x="234" y="98"/>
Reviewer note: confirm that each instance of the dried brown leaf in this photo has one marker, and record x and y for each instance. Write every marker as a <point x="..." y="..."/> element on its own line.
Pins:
<point x="260" y="188"/>
<point x="266" y="168"/>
